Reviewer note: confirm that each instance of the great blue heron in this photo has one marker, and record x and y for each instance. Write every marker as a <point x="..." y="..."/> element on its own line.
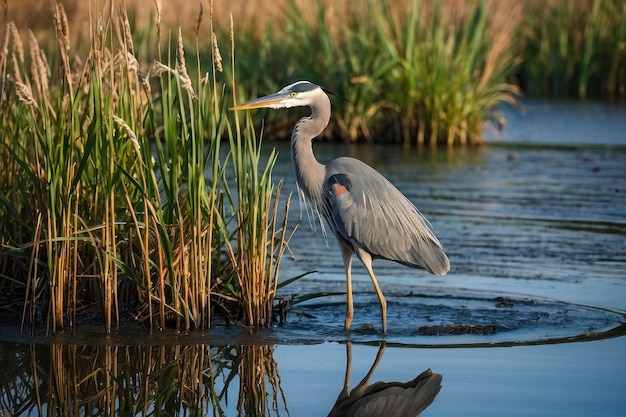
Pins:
<point x="367" y="214"/>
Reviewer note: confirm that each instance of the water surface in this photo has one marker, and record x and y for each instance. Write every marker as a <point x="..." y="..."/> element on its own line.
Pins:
<point x="534" y="224"/>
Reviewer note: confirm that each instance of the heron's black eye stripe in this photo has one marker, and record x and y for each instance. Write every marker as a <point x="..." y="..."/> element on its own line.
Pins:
<point x="302" y="87"/>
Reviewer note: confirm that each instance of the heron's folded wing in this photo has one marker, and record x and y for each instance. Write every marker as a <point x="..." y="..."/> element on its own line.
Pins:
<point x="368" y="210"/>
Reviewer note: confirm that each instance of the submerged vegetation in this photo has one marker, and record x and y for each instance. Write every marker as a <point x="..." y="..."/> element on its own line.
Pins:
<point x="128" y="193"/>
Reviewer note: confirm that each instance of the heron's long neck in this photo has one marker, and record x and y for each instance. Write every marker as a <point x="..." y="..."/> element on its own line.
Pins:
<point x="309" y="172"/>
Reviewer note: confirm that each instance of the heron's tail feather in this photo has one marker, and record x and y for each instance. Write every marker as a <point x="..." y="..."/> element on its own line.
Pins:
<point x="429" y="255"/>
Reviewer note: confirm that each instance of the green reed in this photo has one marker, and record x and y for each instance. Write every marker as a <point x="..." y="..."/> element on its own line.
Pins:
<point x="421" y="71"/>
<point x="454" y="72"/>
<point x="574" y="48"/>
<point x="418" y="73"/>
<point x="433" y="72"/>
<point x="261" y="235"/>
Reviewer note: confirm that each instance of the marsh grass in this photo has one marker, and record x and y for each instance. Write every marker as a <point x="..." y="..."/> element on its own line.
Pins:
<point x="115" y="202"/>
<point x="433" y="72"/>
<point x="261" y="238"/>
<point x="415" y="72"/>
<point x="418" y="73"/>
<point x="575" y="48"/>
<point x="456" y="72"/>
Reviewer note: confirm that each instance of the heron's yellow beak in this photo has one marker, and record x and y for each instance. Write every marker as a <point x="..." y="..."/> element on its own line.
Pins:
<point x="266" y="101"/>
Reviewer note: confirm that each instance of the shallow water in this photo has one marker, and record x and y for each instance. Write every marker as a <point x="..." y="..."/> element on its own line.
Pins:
<point x="531" y="319"/>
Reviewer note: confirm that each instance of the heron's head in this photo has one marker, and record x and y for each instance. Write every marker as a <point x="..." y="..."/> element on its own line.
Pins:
<point x="298" y="94"/>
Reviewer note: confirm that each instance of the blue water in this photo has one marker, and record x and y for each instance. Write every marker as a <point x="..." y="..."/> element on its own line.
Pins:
<point x="538" y="213"/>
<point x="534" y="224"/>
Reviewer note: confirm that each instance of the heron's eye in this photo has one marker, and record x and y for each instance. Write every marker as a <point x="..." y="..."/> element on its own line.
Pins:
<point x="293" y="94"/>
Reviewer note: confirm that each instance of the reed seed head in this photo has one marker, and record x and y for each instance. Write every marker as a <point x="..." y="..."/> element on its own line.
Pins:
<point x="131" y="134"/>
<point x="25" y="95"/>
<point x="217" y="57"/>
<point x="181" y="68"/>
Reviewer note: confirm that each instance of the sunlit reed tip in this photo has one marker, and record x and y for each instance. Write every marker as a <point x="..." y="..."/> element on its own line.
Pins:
<point x="159" y="68"/>
<point x="199" y="21"/>
<point x="128" y="37"/>
<point x="182" y="68"/>
<point x="25" y="95"/>
<point x="145" y="82"/>
<point x="158" y="6"/>
<point x="217" y="57"/>
<point x="4" y="52"/>
<point x="35" y="62"/>
<point x="131" y="61"/>
<point x="133" y="138"/>
<point x="62" y="27"/>
<point x="63" y="40"/>
<point x="18" y="47"/>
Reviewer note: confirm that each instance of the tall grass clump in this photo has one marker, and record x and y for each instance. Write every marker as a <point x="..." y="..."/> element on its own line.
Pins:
<point x="261" y="236"/>
<point x="453" y="69"/>
<point x="410" y="71"/>
<point x="115" y="202"/>
<point x="574" y="48"/>
<point x="416" y="73"/>
<point x="349" y="58"/>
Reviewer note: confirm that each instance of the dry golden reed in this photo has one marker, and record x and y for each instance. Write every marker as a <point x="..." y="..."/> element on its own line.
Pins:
<point x="158" y="6"/>
<point x="39" y="67"/>
<point x="18" y="47"/>
<point x="63" y="41"/>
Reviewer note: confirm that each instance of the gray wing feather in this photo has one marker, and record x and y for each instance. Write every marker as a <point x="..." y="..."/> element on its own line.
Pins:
<point x="379" y="218"/>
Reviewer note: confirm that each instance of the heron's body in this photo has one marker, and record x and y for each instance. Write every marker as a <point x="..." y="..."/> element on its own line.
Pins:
<point x="369" y="216"/>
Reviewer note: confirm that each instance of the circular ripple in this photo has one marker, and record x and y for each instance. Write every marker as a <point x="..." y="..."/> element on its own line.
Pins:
<point x="458" y="319"/>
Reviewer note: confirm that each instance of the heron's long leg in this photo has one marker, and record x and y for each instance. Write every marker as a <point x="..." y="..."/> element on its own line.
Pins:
<point x="366" y="258"/>
<point x="346" y="385"/>
<point x="359" y="390"/>
<point x="346" y="254"/>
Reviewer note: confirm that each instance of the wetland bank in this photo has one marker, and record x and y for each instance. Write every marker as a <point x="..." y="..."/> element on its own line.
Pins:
<point x="533" y="222"/>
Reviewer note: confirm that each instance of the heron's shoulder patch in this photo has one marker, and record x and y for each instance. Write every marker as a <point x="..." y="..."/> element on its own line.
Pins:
<point x="342" y="180"/>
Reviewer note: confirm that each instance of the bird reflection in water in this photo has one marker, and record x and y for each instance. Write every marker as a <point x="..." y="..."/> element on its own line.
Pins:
<point x="392" y="399"/>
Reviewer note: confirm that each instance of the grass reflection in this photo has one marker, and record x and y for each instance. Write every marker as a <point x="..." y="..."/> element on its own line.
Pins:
<point x="259" y="381"/>
<point x="195" y="380"/>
